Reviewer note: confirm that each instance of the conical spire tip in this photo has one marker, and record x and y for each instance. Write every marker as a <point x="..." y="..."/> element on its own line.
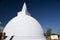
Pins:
<point x="24" y="9"/>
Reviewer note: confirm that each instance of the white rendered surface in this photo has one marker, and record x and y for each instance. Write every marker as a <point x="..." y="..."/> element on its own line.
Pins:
<point x="54" y="36"/>
<point x="24" y="27"/>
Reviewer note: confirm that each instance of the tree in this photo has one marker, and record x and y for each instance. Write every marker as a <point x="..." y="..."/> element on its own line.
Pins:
<point x="48" y="33"/>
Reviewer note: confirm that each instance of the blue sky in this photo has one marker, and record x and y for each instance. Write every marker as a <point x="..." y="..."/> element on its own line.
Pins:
<point x="47" y="12"/>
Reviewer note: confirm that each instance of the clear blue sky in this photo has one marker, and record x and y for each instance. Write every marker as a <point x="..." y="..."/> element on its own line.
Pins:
<point x="47" y="12"/>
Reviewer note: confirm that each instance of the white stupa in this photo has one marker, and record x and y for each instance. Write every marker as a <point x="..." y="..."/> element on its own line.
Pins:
<point x="24" y="27"/>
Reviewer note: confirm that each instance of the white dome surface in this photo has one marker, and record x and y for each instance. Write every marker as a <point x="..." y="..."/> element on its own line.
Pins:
<point x="24" y="27"/>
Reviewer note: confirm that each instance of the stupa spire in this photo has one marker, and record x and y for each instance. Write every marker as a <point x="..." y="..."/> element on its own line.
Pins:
<point x="24" y="8"/>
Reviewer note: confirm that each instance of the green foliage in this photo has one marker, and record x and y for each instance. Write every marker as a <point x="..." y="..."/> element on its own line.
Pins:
<point x="48" y="32"/>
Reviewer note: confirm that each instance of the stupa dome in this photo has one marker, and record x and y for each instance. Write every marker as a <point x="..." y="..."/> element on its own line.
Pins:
<point x="24" y="27"/>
